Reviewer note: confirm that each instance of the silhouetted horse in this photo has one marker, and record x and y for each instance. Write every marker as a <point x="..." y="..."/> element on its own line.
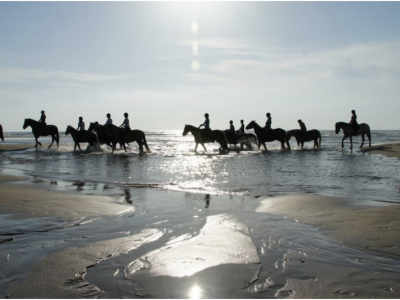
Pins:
<point x="1" y="133"/>
<point x="301" y="137"/>
<point x="101" y="134"/>
<point x="83" y="136"/>
<point x="348" y="132"/>
<point x="122" y="136"/>
<point x="42" y="130"/>
<point x="277" y="134"/>
<point x="241" y="138"/>
<point x="202" y="136"/>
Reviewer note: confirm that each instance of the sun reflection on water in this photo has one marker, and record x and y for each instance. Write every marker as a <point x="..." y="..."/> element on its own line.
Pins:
<point x="194" y="292"/>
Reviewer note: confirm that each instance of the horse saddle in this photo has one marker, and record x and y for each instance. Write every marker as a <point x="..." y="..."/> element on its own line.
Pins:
<point x="206" y="135"/>
<point x="268" y="134"/>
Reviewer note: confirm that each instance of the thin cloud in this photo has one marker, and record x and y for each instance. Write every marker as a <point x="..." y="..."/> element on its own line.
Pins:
<point x="27" y="75"/>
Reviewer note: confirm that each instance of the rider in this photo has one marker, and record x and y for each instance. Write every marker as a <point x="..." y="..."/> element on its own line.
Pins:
<point x="81" y="125"/>
<point x="232" y="132"/>
<point x="353" y="122"/>
<point x="302" y="126"/>
<point x="268" y="123"/>
<point x="109" y="120"/>
<point x="241" y="129"/>
<point x="206" y="125"/>
<point x="125" y="124"/>
<point x="42" y="119"/>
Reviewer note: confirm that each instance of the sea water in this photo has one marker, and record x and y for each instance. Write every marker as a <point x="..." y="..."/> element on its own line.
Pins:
<point x="173" y="165"/>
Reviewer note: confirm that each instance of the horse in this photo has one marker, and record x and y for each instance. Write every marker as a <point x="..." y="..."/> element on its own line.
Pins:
<point x="1" y="133"/>
<point x="348" y="132"/>
<point x="301" y="137"/>
<point x="241" y="138"/>
<point x="122" y="136"/>
<point x="39" y="129"/>
<point x="83" y="136"/>
<point x="101" y="134"/>
<point x="202" y="136"/>
<point x="277" y="134"/>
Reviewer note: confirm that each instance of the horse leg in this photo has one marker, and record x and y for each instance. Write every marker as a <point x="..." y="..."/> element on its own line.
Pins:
<point x="287" y="144"/>
<point x="362" y="140"/>
<point x="369" y="138"/>
<point x="343" y="140"/>
<point x="37" y="142"/>
<point x="52" y="141"/>
<point x="140" y="146"/>
<point x="351" y="142"/>
<point x="204" y="147"/>
<point x="264" y="145"/>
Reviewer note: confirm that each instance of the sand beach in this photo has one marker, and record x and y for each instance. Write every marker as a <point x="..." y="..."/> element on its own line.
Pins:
<point x="223" y="254"/>
<point x="389" y="150"/>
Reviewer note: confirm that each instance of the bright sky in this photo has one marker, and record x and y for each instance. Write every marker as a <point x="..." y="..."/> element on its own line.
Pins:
<point x="169" y="63"/>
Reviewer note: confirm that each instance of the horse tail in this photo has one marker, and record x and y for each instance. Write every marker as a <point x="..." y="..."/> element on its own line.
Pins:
<point x="145" y="144"/>
<point x="57" y="136"/>
<point x="225" y="141"/>
<point x="97" y="139"/>
<point x="368" y="134"/>
<point x="319" y="140"/>
<point x="1" y="133"/>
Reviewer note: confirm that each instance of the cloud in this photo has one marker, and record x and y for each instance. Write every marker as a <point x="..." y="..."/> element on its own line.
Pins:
<point x="357" y="61"/>
<point x="13" y="75"/>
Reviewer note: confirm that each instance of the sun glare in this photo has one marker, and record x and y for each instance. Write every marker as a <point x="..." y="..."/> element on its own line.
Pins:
<point x="195" y="27"/>
<point x="195" y="65"/>
<point x="195" y="292"/>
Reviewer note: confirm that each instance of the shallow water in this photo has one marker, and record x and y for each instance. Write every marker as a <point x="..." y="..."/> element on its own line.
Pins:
<point x="173" y="165"/>
<point x="181" y="194"/>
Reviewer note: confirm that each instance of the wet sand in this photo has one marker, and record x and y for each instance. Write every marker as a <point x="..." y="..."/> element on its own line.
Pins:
<point x="26" y="200"/>
<point x="373" y="228"/>
<point x="16" y="147"/>
<point x="390" y="150"/>
<point x="234" y="247"/>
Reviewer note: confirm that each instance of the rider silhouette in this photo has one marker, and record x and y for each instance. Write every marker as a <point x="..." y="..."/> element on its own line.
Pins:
<point x="302" y="126"/>
<point x="206" y="124"/>
<point x="353" y="122"/>
<point x="42" y="119"/>
<point x="125" y="124"/>
<point x="232" y="132"/>
<point x="109" y="120"/>
<point x="268" y="123"/>
<point x="81" y="125"/>
<point x="241" y="129"/>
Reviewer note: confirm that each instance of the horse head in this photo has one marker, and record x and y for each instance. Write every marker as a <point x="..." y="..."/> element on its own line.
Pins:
<point x="93" y="126"/>
<point x="250" y="125"/>
<point x="68" y="130"/>
<point x="337" y="128"/>
<point x="25" y="124"/>
<point x="185" y="130"/>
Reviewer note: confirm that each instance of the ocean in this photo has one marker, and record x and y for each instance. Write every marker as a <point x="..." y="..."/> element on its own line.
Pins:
<point x="173" y="165"/>
<point x="182" y="197"/>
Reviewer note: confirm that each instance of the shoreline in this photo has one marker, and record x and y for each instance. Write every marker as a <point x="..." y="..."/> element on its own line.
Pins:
<point x="387" y="149"/>
<point x="23" y="199"/>
<point x="16" y="147"/>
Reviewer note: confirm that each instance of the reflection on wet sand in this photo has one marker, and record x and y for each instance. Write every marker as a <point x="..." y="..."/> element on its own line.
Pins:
<point x="221" y="241"/>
